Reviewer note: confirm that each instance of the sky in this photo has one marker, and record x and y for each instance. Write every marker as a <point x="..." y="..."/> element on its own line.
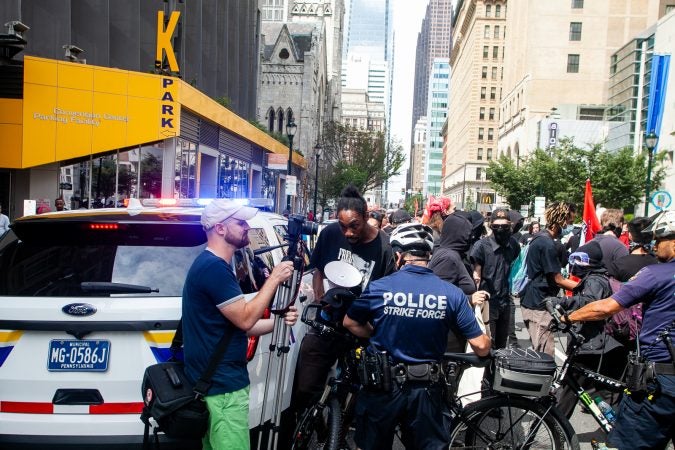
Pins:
<point x="408" y="15"/>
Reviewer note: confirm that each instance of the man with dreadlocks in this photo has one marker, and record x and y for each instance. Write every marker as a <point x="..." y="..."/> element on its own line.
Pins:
<point x="543" y="271"/>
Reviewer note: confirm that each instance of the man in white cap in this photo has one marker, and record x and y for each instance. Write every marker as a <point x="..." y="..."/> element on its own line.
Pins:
<point x="213" y="303"/>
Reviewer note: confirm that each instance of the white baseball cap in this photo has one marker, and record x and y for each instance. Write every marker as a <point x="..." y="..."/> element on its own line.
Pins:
<point x="221" y="209"/>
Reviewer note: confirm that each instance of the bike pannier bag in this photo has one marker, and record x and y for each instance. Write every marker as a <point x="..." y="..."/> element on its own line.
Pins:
<point x="170" y="399"/>
<point x="523" y="371"/>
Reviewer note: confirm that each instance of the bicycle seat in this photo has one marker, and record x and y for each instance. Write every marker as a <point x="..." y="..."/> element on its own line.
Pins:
<point x="468" y="358"/>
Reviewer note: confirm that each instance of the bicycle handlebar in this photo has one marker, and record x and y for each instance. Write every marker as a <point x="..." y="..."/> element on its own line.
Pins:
<point x="557" y="313"/>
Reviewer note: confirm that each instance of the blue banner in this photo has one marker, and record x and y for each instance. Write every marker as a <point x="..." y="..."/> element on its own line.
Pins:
<point x="657" y="94"/>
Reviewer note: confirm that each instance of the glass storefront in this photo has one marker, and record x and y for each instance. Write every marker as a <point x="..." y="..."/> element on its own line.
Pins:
<point x="109" y="179"/>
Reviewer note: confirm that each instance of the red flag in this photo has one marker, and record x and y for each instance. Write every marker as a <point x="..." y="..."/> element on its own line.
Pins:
<point x="591" y="224"/>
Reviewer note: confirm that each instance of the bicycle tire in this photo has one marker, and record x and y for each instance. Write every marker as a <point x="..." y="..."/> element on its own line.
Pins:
<point x="319" y="428"/>
<point x="514" y="423"/>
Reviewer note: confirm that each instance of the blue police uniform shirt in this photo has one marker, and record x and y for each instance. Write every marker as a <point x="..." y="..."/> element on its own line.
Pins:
<point x="655" y="286"/>
<point x="412" y="311"/>
<point x="209" y="285"/>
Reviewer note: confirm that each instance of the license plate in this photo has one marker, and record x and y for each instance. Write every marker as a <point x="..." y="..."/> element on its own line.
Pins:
<point x="78" y="355"/>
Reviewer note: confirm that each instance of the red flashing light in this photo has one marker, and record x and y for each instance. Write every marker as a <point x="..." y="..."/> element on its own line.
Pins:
<point x="103" y="226"/>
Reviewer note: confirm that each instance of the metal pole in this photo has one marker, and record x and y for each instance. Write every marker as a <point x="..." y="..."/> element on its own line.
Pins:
<point x="648" y="186"/>
<point x="316" y="186"/>
<point x="464" y="188"/>
<point x="288" y="170"/>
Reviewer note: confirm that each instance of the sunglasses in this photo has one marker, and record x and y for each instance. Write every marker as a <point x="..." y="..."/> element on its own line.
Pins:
<point x="578" y="259"/>
<point x="501" y="227"/>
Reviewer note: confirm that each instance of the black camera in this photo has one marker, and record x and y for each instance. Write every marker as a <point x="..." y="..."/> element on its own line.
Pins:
<point x="297" y="226"/>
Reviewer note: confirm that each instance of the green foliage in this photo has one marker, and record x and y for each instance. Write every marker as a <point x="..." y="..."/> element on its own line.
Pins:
<point x="276" y="135"/>
<point x="224" y="101"/>
<point x="618" y="178"/>
<point x="360" y="157"/>
<point x="410" y="203"/>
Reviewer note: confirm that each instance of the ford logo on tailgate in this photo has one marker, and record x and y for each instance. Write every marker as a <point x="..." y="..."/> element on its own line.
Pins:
<point x="79" y="309"/>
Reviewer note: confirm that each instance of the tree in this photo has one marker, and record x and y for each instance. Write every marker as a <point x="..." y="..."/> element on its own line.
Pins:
<point x="360" y="157"/>
<point x="559" y="174"/>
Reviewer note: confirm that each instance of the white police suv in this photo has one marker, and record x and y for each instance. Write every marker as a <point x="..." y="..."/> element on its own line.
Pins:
<point x="89" y="299"/>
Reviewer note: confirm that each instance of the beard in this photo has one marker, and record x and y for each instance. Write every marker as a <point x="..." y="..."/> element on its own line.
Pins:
<point x="237" y="242"/>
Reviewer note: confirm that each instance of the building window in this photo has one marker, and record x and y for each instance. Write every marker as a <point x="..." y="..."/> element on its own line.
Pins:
<point x="572" y="63"/>
<point x="495" y="52"/>
<point x="483" y="73"/>
<point x="575" y="31"/>
<point x="486" y="51"/>
<point x="496" y="35"/>
<point x="488" y="10"/>
<point x="498" y="10"/>
<point x="494" y="73"/>
<point x="486" y="34"/>
<point x="577" y="4"/>
<point x="483" y="92"/>
<point x="493" y="93"/>
<point x="669" y="9"/>
<point x="479" y="172"/>
<point x="489" y="154"/>
<point x="479" y="155"/>
<point x="481" y="114"/>
<point x="491" y="134"/>
<point x="492" y="114"/>
<point x="481" y="134"/>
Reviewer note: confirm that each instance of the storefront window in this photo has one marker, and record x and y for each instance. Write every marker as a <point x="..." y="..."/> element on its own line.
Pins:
<point x="269" y="184"/>
<point x="186" y="159"/>
<point x="151" y="170"/>
<point x="232" y="177"/>
<point x="103" y="181"/>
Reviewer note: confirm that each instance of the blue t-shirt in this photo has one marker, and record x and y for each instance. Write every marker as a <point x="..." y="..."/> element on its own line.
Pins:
<point x="412" y="311"/>
<point x="655" y="286"/>
<point x="211" y="284"/>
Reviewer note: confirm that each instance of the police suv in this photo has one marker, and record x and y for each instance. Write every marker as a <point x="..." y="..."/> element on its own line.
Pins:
<point x="90" y="298"/>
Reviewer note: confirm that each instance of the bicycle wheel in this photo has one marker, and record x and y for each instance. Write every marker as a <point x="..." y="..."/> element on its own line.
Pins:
<point x="319" y="428"/>
<point x="512" y="423"/>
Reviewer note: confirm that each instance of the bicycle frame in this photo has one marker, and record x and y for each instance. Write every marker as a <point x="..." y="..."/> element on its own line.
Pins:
<point x="583" y="396"/>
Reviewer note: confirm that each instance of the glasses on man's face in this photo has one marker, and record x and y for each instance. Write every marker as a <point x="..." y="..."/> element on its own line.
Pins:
<point x="500" y="227"/>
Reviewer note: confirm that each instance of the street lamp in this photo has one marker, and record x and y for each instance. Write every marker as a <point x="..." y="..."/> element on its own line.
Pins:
<point x="650" y="141"/>
<point x="291" y="128"/>
<point x="317" y="154"/>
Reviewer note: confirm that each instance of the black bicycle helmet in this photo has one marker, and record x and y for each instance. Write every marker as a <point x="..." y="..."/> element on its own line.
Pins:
<point x="412" y="237"/>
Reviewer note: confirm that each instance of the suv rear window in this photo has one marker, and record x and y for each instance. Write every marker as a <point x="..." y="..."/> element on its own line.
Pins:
<point x="51" y="258"/>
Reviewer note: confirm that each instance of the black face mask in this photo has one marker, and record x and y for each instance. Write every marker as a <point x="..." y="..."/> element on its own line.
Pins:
<point x="502" y="236"/>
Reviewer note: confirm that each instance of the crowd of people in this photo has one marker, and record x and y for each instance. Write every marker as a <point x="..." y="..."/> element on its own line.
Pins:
<point x="437" y="277"/>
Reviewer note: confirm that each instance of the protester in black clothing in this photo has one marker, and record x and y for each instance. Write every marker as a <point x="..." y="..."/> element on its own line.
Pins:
<point x="640" y="248"/>
<point x="543" y="270"/>
<point x="600" y="351"/>
<point x="450" y="260"/>
<point x="351" y="240"/>
<point x="492" y="258"/>
<point x="450" y="263"/>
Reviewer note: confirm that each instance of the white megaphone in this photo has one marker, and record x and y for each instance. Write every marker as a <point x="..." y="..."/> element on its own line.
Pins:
<point x="340" y="274"/>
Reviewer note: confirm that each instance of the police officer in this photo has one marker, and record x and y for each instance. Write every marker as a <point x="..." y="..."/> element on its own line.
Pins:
<point x="407" y="316"/>
<point x="645" y="419"/>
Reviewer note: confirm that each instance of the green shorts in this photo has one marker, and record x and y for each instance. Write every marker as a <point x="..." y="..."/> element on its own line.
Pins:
<point x="228" y="421"/>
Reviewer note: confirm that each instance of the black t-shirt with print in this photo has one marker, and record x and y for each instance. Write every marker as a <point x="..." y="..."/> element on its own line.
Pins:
<point x="374" y="259"/>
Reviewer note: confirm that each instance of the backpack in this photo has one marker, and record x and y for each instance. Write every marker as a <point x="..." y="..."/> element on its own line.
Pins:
<point x="625" y="325"/>
<point x="518" y="279"/>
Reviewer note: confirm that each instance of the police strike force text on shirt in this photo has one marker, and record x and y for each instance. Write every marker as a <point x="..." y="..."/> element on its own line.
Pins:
<point x="425" y="306"/>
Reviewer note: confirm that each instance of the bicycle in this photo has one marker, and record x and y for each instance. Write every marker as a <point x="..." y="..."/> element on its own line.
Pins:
<point x="502" y="420"/>
<point x="326" y="423"/>
<point x="569" y="368"/>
